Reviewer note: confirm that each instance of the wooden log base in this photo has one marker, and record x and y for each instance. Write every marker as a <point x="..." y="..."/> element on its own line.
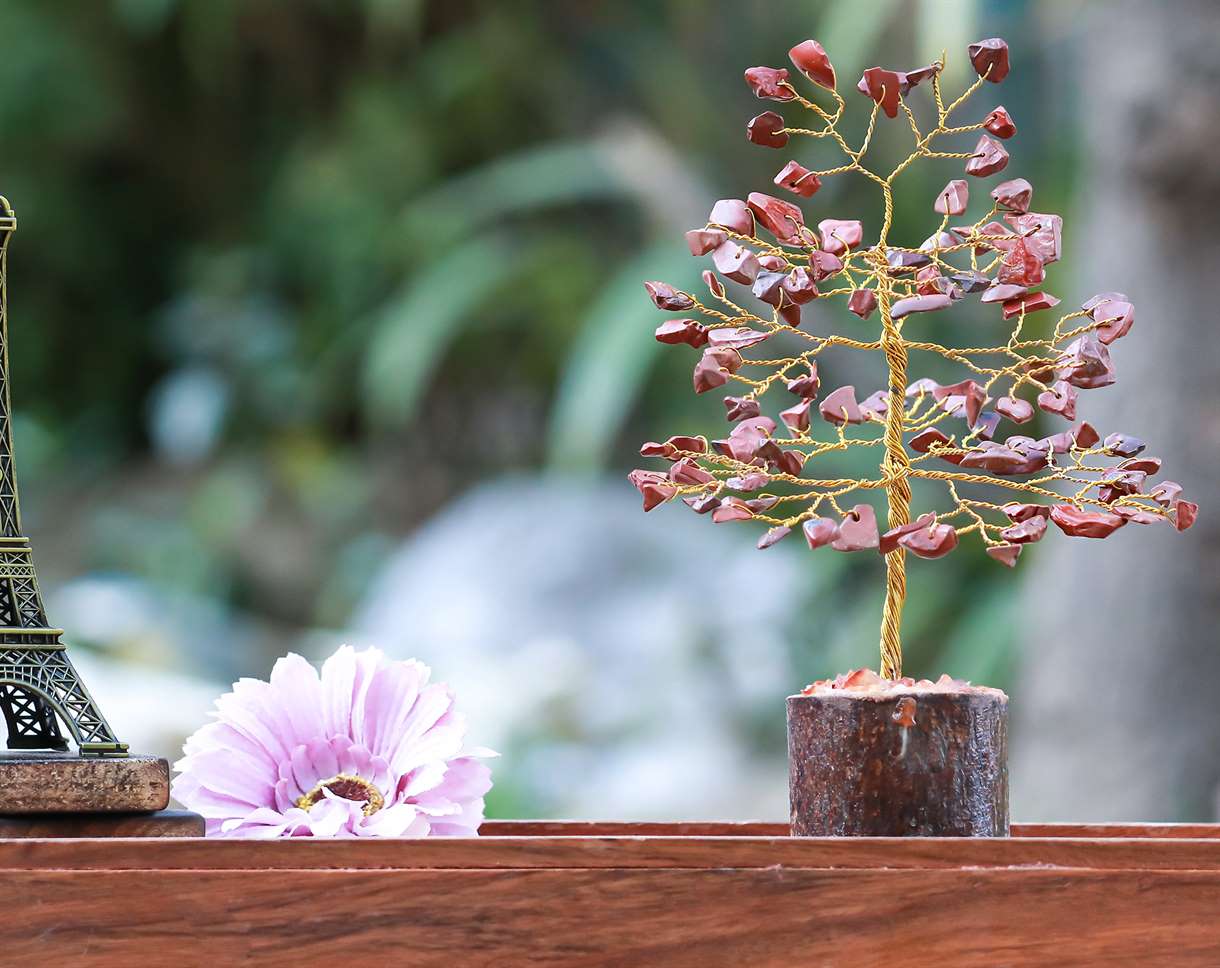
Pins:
<point x="163" y="823"/>
<point x="900" y="763"/>
<point x="47" y="782"/>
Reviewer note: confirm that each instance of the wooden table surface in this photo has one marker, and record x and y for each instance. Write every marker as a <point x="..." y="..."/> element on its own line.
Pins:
<point x="555" y="893"/>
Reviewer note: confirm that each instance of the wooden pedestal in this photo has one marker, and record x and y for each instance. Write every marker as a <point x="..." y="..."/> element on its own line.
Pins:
<point x="45" y="794"/>
<point x="622" y="894"/>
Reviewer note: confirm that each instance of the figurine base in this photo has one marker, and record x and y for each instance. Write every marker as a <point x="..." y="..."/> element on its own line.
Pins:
<point x="42" y="782"/>
<point x="164" y="823"/>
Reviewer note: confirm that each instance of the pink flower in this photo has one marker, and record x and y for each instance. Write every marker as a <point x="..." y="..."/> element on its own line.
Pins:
<point x="368" y="749"/>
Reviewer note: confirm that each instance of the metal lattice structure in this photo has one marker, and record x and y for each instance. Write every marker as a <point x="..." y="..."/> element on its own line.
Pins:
<point x="38" y="682"/>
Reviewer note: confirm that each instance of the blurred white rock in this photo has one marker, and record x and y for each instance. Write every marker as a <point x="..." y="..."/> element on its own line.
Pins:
<point x="622" y="664"/>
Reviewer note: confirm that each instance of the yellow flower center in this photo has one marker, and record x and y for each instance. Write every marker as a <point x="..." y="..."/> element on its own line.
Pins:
<point x="349" y="788"/>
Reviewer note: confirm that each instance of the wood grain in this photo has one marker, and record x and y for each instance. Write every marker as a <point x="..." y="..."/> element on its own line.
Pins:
<point x="46" y="782"/>
<point x="163" y="823"/>
<point x="756" y="918"/>
<point x="622" y="895"/>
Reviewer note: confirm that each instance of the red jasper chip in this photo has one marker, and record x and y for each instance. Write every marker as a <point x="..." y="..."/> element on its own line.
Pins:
<point x="889" y="540"/>
<point x="740" y="408"/>
<point x="675" y="331"/>
<point x="790" y="313"/>
<point x="675" y="447"/>
<point x="920" y="304"/>
<point x="735" y="337"/>
<point x="767" y="129"/>
<point x="797" y="178"/>
<point x="702" y="241"/>
<point x="1081" y="435"/>
<point x="807" y="385"/>
<point x="810" y="59"/>
<point x="941" y="240"/>
<point x="1003" y="293"/>
<point x="770" y="83"/>
<point x="1043" y="233"/>
<point x="972" y="394"/>
<point x="782" y="219"/>
<point x="734" y="215"/>
<point x="884" y="87"/>
<point x="1029" y="303"/>
<point x="1024" y="532"/>
<point x="748" y="482"/>
<point x="653" y="486"/>
<point x="876" y="404"/>
<point x="796" y="417"/>
<point x="857" y="530"/>
<point x="686" y="471"/>
<point x="772" y="536"/>
<point x="1023" y="512"/>
<point x="1060" y="399"/>
<point x="1124" y="445"/>
<point x="1076" y="523"/>
<point x="926" y="440"/>
<point x="736" y="262"/>
<point x="1005" y="554"/>
<point x="1149" y="465"/>
<point x="824" y="264"/>
<point x="839" y="235"/>
<point x="1115" y="318"/>
<point x="991" y="236"/>
<point x="1167" y="494"/>
<point x="921" y="388"/>
<point x="731" y="509"/>
<point x="1185" y="514"/>
<point x="929" y="281"/>
<point x="953" y="199"/>
<point x="799" y="286"/>
<point x="714" y="285"/>
<point x="714" y="367"/>
<point x="768" y="287"/>
<point x="934" y="541"/>
<point x="702" y="503"/>
<point x="1014" y="194"/>
<point x="1136" y="515"/>
<point x="820" y="532"/>
<point x="1015" y="409"/>
<point x="789" y="462"/>
<point x="840" y="407"/>
<point x="862" y="302"/>
<point x="665" y="296"/>
<point x="916" y="77"/>
<point x="773" y="263"/>
<point x="1001" y="459"/>
<point x="1000" y="123"/>
<point x="988" y="158"/>
<point x="990" y="58"/>
<point x="1086" y="363"/>
<point x="971" y="281"/>
<point x="903" y="259"/>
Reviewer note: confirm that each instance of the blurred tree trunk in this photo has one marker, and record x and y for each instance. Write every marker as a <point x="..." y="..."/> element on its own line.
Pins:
<point x="1117" y="713"/>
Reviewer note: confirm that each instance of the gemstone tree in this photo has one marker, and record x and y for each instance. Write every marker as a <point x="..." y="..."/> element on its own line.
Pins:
<point x="1087" y="486"/>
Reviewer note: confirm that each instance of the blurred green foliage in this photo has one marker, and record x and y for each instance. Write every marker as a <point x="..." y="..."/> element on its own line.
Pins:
<point x="291" y="274"/>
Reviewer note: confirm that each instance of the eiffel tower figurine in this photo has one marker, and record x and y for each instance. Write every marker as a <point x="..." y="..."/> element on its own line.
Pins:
<point x="39" y="686"/>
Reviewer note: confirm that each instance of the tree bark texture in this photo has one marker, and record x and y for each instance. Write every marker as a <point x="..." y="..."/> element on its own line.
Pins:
<point x="932" y="764"/>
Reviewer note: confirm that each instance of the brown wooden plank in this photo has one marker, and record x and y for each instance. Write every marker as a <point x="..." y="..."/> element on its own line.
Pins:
<point x="781" y="917"/>
<point x="689" y="853"/>
<point x="755" y="828"/>
<point x="164" y="823"/>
